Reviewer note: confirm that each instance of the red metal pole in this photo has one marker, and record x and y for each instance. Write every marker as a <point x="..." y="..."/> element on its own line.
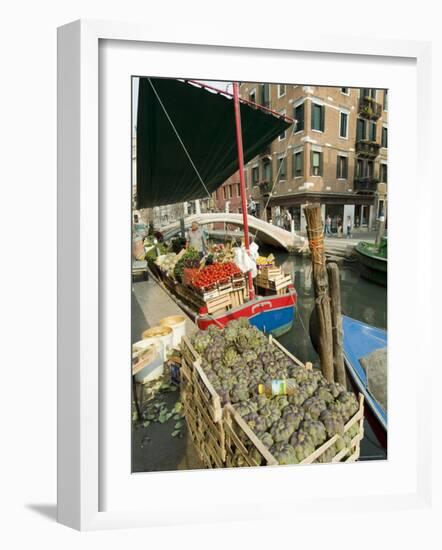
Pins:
<point x="242" y="184"/>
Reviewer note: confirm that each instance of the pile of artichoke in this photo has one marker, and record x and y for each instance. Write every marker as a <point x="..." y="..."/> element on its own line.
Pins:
<point x="238" y="358"/>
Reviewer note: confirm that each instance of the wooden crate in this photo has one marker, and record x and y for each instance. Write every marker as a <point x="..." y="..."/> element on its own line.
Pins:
<point x="238" y="453"/>
<point x="270" y="271"/>
<point x="237" y="297"/>
<point x="203" y="413"/>
<point x="242" y="443"/>
<point x="218" y="304"/>
<point x="223" y="438"/>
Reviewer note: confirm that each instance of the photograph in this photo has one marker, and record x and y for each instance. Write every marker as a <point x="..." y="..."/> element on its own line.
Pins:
<point x="259" y="230"/>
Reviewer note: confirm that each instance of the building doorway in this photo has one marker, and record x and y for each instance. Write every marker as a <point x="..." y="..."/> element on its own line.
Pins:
<point x="336" y="213"/>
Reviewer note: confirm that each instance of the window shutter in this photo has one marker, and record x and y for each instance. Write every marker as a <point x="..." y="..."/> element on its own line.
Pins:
<point x="301" y="162"/>
<point x="320" y="163"/>
<point x="338" y="159"/>
<point x="346" y="167"/>
<point x="311" y="163"/>
<point x="322" y="117"/>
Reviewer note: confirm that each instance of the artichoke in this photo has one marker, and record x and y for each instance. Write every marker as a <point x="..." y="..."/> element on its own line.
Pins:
<point x="349" y="404"/>
<point x="335" y="389"/>
<point x="284" y="453"/>
<point x="260" y="400"/>
<point x="309" y="386"/>
<point x="293" y="415"/>
<point x="281" y="401"/>
<point x="313" y="407"/>
<point x="327" y="455"/>
<point x="298" y="397"/>
<point x="255" y="422"/>
<point x="302" y="444"/>
<point x="316" y="430"/>
<point x="246" y="407"/>
<point x="333" y="422"/>
<point x="270" y="413"/>
<point x="239" y="392"/>
<point x="281" y="430"/>
<point x="325" y="394"/>
<point x="200" y="341"/>
<point x="230" y="356"/>
<point x="266" y="438"/>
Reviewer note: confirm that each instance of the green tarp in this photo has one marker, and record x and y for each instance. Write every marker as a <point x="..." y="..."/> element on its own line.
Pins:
<point x="205" y="122"/>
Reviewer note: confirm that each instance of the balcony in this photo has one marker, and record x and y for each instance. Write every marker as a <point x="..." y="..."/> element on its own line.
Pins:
<point x="367" y="149"/>
<point x="369" y="108"/>
<point x="367" y="184"/>
<point x="265" y="187"/>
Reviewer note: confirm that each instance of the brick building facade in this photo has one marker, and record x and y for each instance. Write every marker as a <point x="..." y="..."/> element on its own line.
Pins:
<point x="335" y="154"/>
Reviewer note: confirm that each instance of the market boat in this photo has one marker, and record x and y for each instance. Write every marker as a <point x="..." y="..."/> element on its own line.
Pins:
<point x="373" y="261"/>
<point x="161" y="101"/>
<point x="361" y="340"/>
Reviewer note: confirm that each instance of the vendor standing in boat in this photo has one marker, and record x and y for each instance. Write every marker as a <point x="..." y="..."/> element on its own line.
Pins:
<point x="196" y="239"/>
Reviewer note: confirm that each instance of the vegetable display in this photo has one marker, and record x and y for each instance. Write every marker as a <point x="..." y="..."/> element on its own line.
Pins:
<point x="190" y="259"/>
<point x="214" y="273"/>
<point x="239" y="357"/>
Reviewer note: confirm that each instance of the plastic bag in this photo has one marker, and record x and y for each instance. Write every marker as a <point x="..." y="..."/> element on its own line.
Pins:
<point x="245" y="262"/>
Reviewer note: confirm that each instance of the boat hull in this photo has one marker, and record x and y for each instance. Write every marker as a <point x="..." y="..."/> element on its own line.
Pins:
<point x="372" y="268"/>
<point x="271" y="314"/>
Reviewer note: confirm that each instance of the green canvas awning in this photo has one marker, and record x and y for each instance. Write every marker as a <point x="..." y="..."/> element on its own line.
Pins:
<point x="205" y="122"/>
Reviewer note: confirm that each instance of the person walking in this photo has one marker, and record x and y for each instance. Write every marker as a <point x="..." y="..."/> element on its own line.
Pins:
<point x="252" y="207"/>
<point x="339" y="226"/>
<point x="327" y="228"/>
<point x="348" y="225"/>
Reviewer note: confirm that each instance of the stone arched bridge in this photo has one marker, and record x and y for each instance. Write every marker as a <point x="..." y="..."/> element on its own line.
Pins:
<point x="264" y="231"/>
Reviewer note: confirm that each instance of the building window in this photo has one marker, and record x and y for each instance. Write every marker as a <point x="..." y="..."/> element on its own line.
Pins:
<point x="316" y="163"/>
<point x="385" y="100"/>
<point x="282" y="168"/>
<point x="372" y="136"/>
<point x="245" y="178"/>
<point x="318" y="115"/>
<point x="267" y="171"/>
<point x="255" y="174"/>
<point x="342" y="167"/>
<point x="281" y="90"/>
<point x="360" y="129"/>
<point x="368" y="92"/>
<point x="370" y="168"/>
<point x="252" y="96"/>
<point x="298" y="164"/>
<point x="345" y="91"/>
<point x="384" y="173"/>
<point x="343" y="125"/>
<point x="225" y="193"/>
<point x="299" y="116"/>
<point x="265" y="94"/>
<point x="238" y="190"/>
<point x="282" y="136"/>
<point x="360" y="168"/>
<point x="384" y="141"/>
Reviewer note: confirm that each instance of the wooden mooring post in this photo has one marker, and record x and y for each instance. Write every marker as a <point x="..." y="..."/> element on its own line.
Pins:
<point x="336" y="317"/>
<point x="315" y="234"/>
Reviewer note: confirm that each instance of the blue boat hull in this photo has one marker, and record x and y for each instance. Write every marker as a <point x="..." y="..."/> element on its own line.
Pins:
<point x="359" y="340"/>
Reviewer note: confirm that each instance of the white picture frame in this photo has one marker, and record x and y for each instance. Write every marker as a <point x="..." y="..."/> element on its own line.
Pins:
<point x="81" y="397"/>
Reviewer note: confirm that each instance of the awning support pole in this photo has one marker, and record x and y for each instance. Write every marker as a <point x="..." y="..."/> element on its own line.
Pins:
<point x="242" y="184"/>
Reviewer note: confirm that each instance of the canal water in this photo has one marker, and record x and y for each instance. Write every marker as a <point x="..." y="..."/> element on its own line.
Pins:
<point x="361" y="299"/>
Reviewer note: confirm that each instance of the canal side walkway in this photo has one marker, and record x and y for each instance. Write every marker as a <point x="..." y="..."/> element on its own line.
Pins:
<point x="153" y="446"/>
